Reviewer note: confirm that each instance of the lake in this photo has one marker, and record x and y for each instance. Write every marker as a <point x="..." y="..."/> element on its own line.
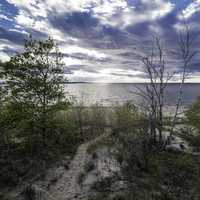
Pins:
<point x="109" y="94"/>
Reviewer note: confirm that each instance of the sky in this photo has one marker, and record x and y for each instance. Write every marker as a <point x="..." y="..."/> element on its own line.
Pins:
<point x="102" y="40"/>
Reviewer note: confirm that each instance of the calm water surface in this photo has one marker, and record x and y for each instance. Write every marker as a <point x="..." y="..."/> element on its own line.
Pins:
<point x="108" y="94"/>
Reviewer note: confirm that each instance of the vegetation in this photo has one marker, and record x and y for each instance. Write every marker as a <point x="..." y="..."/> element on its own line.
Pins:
<point x="162" y="175"/>
<point x="34" y="78"/>
<point x="151" y="167"/>
<point x="148" y="173"/>
<point x="193" y="116"/>
<point x="39" y="125"/>
<point x="32" y="135"/>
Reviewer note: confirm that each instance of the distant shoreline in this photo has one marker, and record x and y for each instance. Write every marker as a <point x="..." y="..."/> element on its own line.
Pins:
<point x="123" y="83"/>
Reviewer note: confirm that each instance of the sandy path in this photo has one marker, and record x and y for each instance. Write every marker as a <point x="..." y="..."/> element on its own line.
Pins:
<point x="67" y="187"/>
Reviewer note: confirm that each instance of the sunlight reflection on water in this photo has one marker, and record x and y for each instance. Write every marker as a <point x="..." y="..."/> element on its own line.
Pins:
<point x="109" y="94"/>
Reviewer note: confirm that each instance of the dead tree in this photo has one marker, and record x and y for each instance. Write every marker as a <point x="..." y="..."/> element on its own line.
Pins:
<point x="187" y="52"/>
<point x="155" y="90"/>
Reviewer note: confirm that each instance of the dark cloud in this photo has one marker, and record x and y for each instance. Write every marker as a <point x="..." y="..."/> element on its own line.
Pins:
<point x="12" y="36"/>
<point x="77" y="24"/>
<point x="122" y="35"/>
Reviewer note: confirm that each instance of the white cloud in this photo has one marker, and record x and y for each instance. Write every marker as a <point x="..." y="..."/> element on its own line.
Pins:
<point x="27" y="21"/>
<point x="190" y="10"/>
<point x="4" y="57"/>
<point x="19" y="31"/>
<point x="153" y="10"/>
<point x="5" y="17"/>
<point x="5" y="44"/>
<point x="194" y="78"/>
<point x="72" y="49"/>
<point x="24" y="19"/>
<point x="34" y="14"/>
<point x="161" y="8"/>
<point x="71" y="61"/>
<point x="194" y="26"/>
<point x="120" y="72"/>
<point x="33" y="7"/>
<point x="109" y="12"/>
<point x="119" y="13"/>
<point x="63" y="6"/>
<point x="81" y="75"/>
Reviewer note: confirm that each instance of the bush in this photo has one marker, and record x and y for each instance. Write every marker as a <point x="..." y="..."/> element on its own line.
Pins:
<point x="126" y="118"/>
<point x="91" y="121"/>
<point x="98" y="118"/>
<point x="193" y="114"/>
<point x="133" y="152"/>
<point x="27" y="155"/>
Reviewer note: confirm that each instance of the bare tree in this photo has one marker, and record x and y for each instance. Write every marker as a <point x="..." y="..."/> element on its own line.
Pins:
<point x="187" y="52"/>
<point x="155" y="90"/>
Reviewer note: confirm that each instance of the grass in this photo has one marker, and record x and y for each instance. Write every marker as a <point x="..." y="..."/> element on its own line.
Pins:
<point x="149" y="174"/>
<point x="80" y="178"/>
<point x="171" y="177"/>
<point x="29" y="158"/>
<point x="104" y="140"/>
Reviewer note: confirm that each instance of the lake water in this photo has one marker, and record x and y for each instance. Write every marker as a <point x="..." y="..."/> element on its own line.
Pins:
<point x="108" y="94"/>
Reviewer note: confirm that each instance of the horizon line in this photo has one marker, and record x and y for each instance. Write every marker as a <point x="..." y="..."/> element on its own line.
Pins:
<point x="92" y="82"/>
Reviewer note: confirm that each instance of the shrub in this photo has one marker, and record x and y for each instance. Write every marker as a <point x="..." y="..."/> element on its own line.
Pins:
<point x="81" y="177"/>
<point x="98" y="117"/>
<point x="126" y="118"/>
<point x="193" y="114"/>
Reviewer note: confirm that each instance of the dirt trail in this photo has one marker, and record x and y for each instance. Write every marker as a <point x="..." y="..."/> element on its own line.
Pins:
<point x="67" y="186"/>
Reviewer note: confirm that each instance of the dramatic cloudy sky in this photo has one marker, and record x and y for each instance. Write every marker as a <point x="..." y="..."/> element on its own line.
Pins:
<point x="101" y="39"/>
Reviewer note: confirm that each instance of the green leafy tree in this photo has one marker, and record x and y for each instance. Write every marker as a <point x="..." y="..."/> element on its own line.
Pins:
<point x="1" y="92"/>
<point x="35" y="79"/>
<point x="3" y="137"/>
<point x="2" y="89"/>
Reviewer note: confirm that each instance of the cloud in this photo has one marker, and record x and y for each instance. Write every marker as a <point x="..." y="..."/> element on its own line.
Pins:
<point x="4" y="56"/>
<point x="4" y="17"/>
<point x="100" y="39"/>
<point x="190" y="10"/>
<point x="7" y="49"/>
<point x="77" y="49"/>
<point x="13" y="36"/>
<point x="107" y="76"/>
<point x="108" y="12"/>
<point x="31" y="7"/>
<point x="24" y="19"/>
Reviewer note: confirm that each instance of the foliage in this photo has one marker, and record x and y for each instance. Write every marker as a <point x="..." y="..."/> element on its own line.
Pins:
<point x="126" y="118"/>
<point x="34" y="131"/>
<point x="91" y="121"/>
<point x="154" y="175"/>
<point x="2" y="88"/>
<point x="133" y="149"/>
<point x="34" y="79"/>
<point x="193" y="114"/>
<point x="98" y="117"/>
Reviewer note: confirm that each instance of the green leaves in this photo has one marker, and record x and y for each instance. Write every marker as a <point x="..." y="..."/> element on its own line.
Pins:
<point x="35" y="79"/>
<point x="2" y="85"/>
<point x="193" y="114"/>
